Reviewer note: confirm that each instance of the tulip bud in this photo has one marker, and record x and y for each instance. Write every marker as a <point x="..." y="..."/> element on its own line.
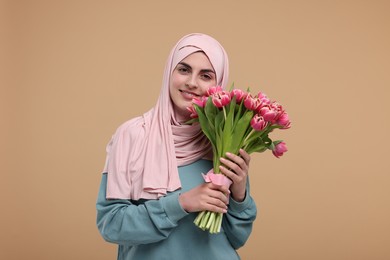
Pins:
<point x="200" y="101"/>
<point x="258" y="123"/>
<point x="193" y="113"/>
<point x="268" y="113"/>
<point x="251" y="103"/>
<point x="279" y="149"/>
<point x="221" y="99"/>
<point x="264" y="100"/>
<point x="284" y="121"/>
<point x="239" y="94"/>
<point x="211" y="91"/>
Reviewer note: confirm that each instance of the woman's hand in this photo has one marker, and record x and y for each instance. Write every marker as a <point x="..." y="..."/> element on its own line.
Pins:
<point x="236" y="168"/>
<point x="207" y="196"/>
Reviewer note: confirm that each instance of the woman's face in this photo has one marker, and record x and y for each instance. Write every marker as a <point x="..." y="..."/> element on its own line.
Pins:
<point x="191" y="78"/>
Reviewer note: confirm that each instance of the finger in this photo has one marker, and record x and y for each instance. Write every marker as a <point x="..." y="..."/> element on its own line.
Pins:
<point x="245" y="156"/>
<point x="220" y="188"/>
<point x="215" y="201"/>
<point x="230" y="174"/>
<point x="237" y="159"/>
<point x="220" y="200"/>
<point x="235" y="168"/>
<point x="216" y="206"/>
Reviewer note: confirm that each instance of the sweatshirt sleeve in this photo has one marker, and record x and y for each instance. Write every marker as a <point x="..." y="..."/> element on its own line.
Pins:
<point x="122" y="222"/>
<point x="238" y="221"/>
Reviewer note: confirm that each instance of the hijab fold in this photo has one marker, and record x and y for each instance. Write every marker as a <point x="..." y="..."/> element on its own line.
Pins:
<point x="144" y="153"/>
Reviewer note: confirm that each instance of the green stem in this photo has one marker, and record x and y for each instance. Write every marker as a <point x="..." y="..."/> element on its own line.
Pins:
<point x="211" y="220"/>
<point x="198" y="219"/>
<point x="204" y="221"/>
<point x="249" y="135"/>
<point x="219" y="224"/>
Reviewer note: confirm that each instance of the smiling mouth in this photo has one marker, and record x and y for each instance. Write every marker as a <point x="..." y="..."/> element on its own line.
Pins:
<point x="189" y="94"/>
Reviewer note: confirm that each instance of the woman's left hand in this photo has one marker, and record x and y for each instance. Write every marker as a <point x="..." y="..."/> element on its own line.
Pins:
<point x="236" y="168"/>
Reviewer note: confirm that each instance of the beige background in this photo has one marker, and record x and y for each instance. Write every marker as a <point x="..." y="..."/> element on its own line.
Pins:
<point x="73" y="71"/>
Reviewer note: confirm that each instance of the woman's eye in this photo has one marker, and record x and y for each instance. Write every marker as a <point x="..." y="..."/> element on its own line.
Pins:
<point x="183" y="70"/>
<point x="206" y="77"/>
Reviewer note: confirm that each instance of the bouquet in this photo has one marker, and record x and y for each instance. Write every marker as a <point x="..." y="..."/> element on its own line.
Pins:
<point x="232" y="120"/>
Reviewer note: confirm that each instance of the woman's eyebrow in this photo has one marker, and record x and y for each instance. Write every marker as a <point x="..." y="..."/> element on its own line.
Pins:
<point x="208" y="71"/>
<point x="185" y="65"/>
<point x="189" y="67"/>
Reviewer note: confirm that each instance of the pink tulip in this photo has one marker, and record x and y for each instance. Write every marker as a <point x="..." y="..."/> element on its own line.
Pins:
<point x="279" y="149"/>
<point x="221" y="99"/>
<point x="251" y="103"/>
<point x="276" y="106"/>
<point x="239" y="94"/>
<point x="263" y="98"/>
<point x="271" y="112"/>
<point x="200" y="101"/>
<point x="193" y="113"/>
<point x="258" y="123"/>
<point x="268" y="113"/>
<point x="284" y="121"/>
<point x="211" y="91"/>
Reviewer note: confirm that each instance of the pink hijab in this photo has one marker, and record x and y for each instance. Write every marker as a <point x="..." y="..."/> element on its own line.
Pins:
<point x="144" y="153"/>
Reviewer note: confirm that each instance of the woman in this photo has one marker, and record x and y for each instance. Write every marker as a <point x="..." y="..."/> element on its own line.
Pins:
<point x="152" y="188"/>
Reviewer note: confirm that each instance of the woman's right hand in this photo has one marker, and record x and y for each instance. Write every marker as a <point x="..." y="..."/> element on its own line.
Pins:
<point x="207" y="196"/>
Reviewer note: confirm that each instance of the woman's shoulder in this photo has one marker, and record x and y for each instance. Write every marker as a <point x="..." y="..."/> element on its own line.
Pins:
<point x="125" y="141"/>
<point x="130" y="125"/>
<point x="133" y="126"/>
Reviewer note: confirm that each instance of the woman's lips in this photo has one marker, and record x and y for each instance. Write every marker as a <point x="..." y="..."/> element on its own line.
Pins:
<point x="188" y="95"/>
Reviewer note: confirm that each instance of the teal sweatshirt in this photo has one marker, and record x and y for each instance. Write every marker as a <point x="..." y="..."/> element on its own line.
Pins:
<point x="162" y="229"/>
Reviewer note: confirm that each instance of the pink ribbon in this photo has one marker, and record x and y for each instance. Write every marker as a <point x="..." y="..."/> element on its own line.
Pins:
<point x="217" y="178"/>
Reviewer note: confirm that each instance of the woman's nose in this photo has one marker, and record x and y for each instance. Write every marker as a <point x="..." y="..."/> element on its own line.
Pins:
<point x="192" y="82"/>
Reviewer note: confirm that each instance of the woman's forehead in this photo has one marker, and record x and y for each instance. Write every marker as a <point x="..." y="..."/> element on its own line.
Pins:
<point x="198" y="59"/>
<point x="187" y="52"/>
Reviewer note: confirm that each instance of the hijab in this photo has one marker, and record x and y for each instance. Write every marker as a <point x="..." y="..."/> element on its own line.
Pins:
<point x="144" y="153"/>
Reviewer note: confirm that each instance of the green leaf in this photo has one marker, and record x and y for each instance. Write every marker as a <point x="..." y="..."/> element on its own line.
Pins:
<point x="268" y="142"/>
<point x="238" y="113"/>
<point x="210" y="111"/>
<point x="277" y="142"/>
<point x="219" y="120"/>
<point x="240" y="130"/>
<point x="219" y="149"/>
<point x="252" y="135"/>
<point x="231" y="87"/>
<point x="228" y="127"/>
<point x="257" y="145"/>
<point x="204" y="123"/>
<point x="257" y="149"/>
<point x="191" y="121"/>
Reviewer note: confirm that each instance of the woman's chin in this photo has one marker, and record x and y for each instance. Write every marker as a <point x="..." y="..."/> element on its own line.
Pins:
<point x="182" y="116"/>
